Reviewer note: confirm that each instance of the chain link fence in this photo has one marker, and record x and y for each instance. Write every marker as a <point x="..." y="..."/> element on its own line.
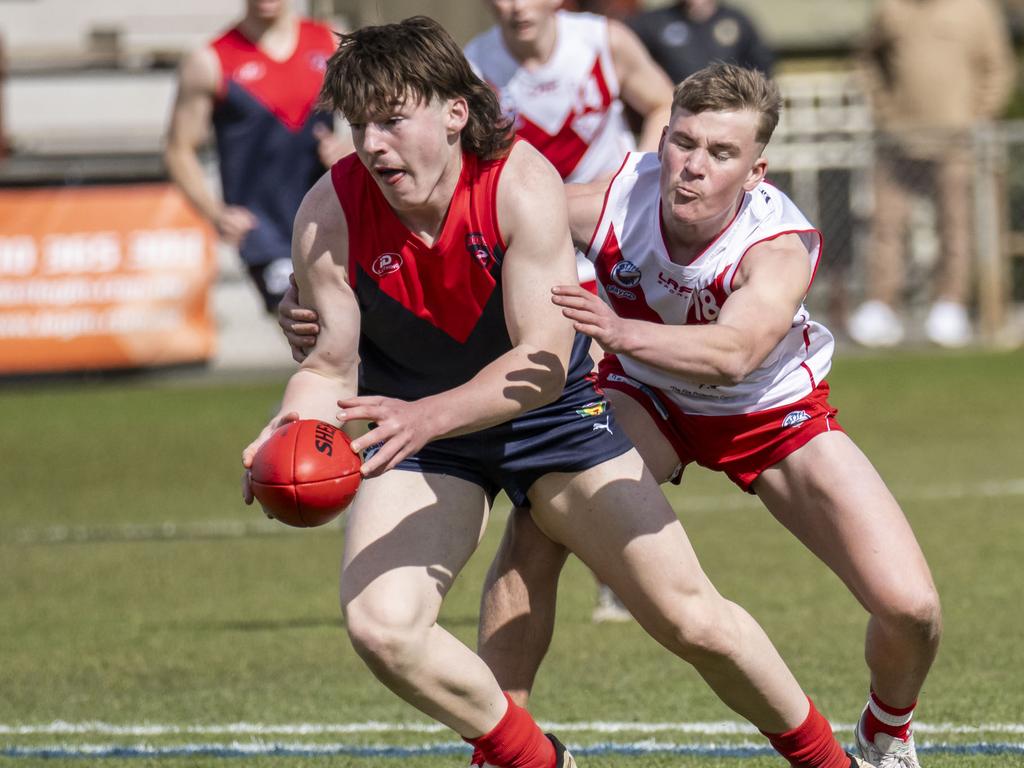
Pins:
<point x="825" y="154"/>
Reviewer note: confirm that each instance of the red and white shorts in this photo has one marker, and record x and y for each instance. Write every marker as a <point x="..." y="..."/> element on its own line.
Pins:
<point x="742" y="446"/>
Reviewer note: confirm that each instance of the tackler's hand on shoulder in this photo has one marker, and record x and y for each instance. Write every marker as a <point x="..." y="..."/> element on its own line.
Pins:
<point x="298" y="323"/>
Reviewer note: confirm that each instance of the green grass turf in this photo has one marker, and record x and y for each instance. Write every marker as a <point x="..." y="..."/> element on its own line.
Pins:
<point x="214" y="630"/>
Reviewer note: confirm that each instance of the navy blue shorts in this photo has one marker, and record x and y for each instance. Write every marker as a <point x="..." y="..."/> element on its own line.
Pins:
<point x="574" y="433"/>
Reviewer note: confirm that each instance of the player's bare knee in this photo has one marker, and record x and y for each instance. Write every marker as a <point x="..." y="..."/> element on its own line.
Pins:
<point x="387" y="642"/>
<point x="701" y="630"/>
<point x="914" y="612"/>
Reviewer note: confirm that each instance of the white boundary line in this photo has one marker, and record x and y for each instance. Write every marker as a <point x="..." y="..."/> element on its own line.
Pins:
<point x="712" y="728"/>
<point x="299" y="749"/>
<point x="233" y="529"/>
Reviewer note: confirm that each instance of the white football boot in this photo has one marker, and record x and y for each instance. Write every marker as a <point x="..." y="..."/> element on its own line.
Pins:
<point x="887" y="751"/>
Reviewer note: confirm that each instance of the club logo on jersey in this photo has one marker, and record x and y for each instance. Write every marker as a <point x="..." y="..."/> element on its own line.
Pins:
<point x="250" y="71"/>
<point x="622" y="293"/>
<point x="794" y="418"/>
<point x="626" y="274"/>
<point x="476" y="246"/>
<point x="386" y="263"/>
<point x="593" y="409"/>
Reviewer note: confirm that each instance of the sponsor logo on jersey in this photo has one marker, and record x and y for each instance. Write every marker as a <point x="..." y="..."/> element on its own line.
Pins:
<point x="672" y="286"/>
<point x="548" y="86"/>
<point x="606" y="424"/>
<point x="250" y="71"/>
<point x="593" y="409"/>
<point x="622" y="293"/>
<point x="476" y="246"/>
<point x="386" y="263"/>
<point x="626" y="273"/>
<point x="795" y="418"/>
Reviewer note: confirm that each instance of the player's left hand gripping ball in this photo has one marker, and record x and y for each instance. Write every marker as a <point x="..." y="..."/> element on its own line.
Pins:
<point x="306" y="473"/>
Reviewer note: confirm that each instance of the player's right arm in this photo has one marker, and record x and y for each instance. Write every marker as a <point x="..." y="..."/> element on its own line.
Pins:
<point x="320" y="262"/>
<point x="198" y="78"/>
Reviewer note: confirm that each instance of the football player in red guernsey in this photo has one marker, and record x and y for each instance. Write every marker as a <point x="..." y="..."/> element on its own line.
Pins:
<point x="432" y="272"/>
<point x="258" y="85"/>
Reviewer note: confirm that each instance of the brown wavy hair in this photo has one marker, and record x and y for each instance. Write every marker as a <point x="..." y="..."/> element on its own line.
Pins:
<point x="376" y="67"/>
<point x="726" y="87"/>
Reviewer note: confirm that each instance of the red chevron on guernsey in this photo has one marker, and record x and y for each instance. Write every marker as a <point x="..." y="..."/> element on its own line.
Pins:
<point x="566" y="147"/>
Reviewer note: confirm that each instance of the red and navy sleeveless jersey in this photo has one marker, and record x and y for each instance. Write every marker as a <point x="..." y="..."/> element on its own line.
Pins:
<point x="263" y="118"/>
<point x="431" y="316"/>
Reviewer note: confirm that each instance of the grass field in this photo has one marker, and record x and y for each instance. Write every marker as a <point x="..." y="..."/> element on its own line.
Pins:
<point x="148" y="618"/>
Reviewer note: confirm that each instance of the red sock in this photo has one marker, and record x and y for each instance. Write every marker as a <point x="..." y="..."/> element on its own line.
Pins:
<point x="880" y="717"/>
<point x="811" y="744"/>
<point x="515" y="742"/>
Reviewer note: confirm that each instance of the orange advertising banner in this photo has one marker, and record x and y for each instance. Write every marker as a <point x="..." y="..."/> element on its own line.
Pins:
<point x="103" y="277"/>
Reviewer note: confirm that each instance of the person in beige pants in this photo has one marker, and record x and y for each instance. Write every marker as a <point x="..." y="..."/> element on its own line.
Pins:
<point x="935" y="70"/>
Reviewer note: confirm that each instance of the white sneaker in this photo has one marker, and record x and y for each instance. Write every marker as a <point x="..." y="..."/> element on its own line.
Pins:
<point x="874" y="324"/>
<point x="609" y="608"/>
<point x="947" y="324"/>
<point x="887" y="751"/>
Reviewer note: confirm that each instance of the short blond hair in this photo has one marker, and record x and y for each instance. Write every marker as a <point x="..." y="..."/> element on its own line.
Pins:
<point x="723" y="87"/>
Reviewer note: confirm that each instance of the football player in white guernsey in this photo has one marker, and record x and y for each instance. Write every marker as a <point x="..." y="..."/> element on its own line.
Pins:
<point x="711" y="357"/>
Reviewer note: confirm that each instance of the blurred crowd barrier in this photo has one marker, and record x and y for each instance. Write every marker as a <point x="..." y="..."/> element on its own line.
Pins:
<point x="823" y="155"/>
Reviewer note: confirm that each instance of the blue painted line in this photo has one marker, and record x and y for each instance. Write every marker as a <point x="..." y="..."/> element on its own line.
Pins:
<point x="327" y="750"/>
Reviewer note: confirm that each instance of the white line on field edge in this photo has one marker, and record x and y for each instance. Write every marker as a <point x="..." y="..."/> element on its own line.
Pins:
<point x="715" y="728"/>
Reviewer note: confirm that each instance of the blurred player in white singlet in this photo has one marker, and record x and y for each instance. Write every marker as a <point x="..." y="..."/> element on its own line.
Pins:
<point x="566" y="78"/>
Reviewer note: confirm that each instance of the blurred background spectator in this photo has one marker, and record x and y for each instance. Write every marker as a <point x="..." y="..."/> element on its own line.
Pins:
<point x="257" y="84"/>
<point x="936" y="69"/>
<point x="690" y="34"/>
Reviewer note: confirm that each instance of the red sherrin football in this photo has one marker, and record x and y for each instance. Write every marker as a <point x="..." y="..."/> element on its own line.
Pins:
<point x="306" y="473"/>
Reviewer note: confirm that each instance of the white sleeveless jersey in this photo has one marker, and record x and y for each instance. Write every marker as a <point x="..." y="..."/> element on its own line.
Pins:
<point x="638" y="279"/>
<point x="568" y="107"/>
